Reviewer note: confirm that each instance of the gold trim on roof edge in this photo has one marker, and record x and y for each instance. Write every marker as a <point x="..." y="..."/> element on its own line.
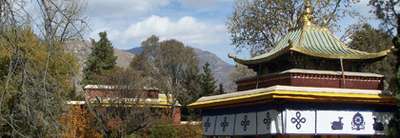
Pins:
<point x="298" y="96"/>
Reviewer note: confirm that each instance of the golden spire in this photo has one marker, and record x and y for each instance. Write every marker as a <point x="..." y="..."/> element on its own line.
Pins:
<point x="307" y="16"/>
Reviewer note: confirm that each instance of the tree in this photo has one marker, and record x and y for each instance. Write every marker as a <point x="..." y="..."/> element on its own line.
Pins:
<point x="178" y="66"/>
<point x="372" y="40"/>
<point x="387" y="11"/>
<point x="258" y="24"/>
<point x="170" y="66"/>
<point x="207" y="81"/>
<point x="100" y="61"/>
<point x="38" y="72"/>
<point x="24" y="105"/>
<point x="145" y="62"/>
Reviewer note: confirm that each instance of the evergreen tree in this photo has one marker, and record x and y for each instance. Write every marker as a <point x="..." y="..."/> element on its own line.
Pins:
<point x="207" y="81"/>
<point x="100" y="61"/>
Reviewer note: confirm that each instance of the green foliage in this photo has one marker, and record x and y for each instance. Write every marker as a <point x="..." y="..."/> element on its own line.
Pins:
<point x="4" y="60"/>
<point x="372" y="40"/>
<point x="387" y="11"/>
<point x="163" y="130"/>
<point x="169" y="130"/>
<point x="100" y="60"/>
<point x="143" y="62"/>
<point x="207" y="81"/>
<point x="394" y="123"/>
<point x="190" y="131"/>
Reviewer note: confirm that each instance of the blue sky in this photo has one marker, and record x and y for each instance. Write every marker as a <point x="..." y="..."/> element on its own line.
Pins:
<point x="197" y="23"/>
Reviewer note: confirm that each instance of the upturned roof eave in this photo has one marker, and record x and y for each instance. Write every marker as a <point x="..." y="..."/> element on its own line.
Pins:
<point x="365" y="56"/>
<point x="253" y="61"/>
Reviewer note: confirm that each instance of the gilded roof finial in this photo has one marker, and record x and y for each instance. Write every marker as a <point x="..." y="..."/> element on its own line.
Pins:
<point x="307" y="16"/>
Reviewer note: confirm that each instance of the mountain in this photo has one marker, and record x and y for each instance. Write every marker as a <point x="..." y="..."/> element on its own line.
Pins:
<point x="124" y="57"/>
<point x="221" y="69"/>
<point x="136" y="50"/>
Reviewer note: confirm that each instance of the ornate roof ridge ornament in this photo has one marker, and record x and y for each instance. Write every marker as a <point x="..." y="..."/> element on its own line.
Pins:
<point x="308" y="13"/>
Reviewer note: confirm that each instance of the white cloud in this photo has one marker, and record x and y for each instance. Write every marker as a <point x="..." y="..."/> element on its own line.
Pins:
<point x="186" y="29"/>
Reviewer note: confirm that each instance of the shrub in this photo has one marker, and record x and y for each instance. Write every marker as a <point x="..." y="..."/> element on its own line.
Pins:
<point x="163" y="130"/>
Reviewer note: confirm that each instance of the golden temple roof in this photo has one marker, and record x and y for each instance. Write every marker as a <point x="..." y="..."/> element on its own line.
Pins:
<point x="312" y="40"/>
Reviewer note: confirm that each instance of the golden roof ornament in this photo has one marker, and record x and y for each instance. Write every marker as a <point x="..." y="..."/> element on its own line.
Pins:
<point x="307" y="16"/>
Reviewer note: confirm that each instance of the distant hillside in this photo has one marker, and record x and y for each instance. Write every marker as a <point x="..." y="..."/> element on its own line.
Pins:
<point x="136" y="50"/>
<point x="220" y="68"/>
<point x="124" y="57"/>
